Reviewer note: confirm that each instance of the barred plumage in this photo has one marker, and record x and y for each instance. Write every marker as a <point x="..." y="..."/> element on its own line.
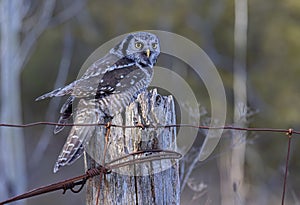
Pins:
<point x="107" y="86"/>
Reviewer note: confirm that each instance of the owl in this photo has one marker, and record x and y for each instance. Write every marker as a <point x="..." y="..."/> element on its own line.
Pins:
<point x="107" y="86"/>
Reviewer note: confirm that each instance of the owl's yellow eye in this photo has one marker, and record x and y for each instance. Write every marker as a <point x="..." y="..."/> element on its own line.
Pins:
<point x="154" y="45"/>
<point x="138" y="45"/>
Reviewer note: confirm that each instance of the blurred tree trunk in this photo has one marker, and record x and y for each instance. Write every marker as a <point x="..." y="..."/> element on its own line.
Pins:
<point x="15" y="54"/>
<point x="12" y="157"/>
<point x="232" y="164"/>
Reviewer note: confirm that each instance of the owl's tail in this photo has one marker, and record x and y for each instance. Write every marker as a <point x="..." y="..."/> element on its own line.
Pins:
<point x="72" y="150"/>
<point x="79" y="135"/>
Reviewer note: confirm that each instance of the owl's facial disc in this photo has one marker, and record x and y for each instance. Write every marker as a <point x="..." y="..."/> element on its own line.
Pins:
<point x="141" y="47"/>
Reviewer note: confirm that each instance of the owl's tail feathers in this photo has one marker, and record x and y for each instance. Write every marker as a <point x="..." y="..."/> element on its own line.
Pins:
<point x="66" y="112"/>
<point x="79" y="135"/>
<point x="58" y="92"/>
<point x="71" y="151"/>
<point x="74" y="146"/>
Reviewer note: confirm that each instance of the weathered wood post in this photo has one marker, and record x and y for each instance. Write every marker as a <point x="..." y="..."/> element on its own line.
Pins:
<point x="155" y="182"/>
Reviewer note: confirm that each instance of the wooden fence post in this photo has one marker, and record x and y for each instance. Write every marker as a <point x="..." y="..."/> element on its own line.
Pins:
<point x="155" y="182"/>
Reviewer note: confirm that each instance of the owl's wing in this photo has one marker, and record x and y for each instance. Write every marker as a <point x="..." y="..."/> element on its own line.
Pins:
<point x="66" y="112"/>
<point x="97" y="69"/>
<point x="104" y="78"/>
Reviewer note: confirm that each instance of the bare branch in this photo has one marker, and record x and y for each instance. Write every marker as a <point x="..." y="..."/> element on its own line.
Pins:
<point x="69" y="12"/>
<point x="31" y="37"/>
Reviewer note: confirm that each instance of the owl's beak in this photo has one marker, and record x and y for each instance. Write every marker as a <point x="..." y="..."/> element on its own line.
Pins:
<point x="148" y="53"/>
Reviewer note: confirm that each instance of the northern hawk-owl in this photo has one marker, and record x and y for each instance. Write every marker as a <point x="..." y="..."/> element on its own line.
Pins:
<point x="107" y="87"/>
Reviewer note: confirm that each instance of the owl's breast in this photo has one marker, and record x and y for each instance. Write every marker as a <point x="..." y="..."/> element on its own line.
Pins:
<point x="118" y="100"/>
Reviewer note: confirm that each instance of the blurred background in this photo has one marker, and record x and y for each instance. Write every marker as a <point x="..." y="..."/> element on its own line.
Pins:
<point x="44" y="44"/>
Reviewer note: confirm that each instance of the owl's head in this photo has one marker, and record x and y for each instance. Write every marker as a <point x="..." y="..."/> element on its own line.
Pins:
<point x="141" y="47"/>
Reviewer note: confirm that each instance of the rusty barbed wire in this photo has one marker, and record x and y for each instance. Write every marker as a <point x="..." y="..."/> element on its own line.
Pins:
<point x="71" y="183"/>
<point x="64" y="185"/>
<point x="229" y="127"/>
